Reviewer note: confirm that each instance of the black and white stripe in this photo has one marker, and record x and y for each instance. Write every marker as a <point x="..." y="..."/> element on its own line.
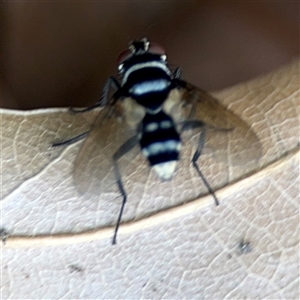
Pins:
<point x="160" y="143"/>
<point x="147" y="80"/>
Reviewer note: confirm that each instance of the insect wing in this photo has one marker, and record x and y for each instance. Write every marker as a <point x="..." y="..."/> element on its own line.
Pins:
<point x="94" y="169"/>
<point x="228" y="136"/>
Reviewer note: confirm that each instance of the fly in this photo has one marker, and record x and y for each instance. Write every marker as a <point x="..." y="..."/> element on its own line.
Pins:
<point x="152" y="108"/>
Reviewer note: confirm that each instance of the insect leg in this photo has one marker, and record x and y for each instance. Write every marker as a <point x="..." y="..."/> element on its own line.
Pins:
<point x="72" y="140"/>
<point x="195" y="158"/>
<point x="177" y="73"/>
<point x="77" y="111"/>
<point x="191" y="124"/>
<point x="111" y="82"/>
<point x="126" y="147"/>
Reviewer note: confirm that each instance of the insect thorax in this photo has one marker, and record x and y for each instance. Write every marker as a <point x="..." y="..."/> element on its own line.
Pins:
<point x="147" y="81"/>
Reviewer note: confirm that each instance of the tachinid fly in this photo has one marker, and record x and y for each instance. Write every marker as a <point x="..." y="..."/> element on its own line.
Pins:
<point x="152" y="108"/>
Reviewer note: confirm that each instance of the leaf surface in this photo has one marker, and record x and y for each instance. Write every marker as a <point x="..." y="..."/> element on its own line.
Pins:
<point x="191" y="250"/>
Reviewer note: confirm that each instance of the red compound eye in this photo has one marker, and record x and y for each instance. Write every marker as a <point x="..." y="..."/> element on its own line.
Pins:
<point x="124" y="56"/>
<point x="156" y="49"/>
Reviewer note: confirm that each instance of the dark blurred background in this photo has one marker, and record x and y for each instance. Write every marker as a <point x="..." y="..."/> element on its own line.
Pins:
<point x="61" y="53"/>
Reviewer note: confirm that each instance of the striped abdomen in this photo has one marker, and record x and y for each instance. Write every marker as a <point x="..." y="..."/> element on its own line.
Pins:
<point x="160" y="143"/>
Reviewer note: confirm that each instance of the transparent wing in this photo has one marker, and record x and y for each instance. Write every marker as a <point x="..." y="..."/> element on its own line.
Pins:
<point x="93" y="168"/>
<point x="228" y="137"/>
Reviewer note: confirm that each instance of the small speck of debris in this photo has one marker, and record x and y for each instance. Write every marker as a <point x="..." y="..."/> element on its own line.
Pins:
<point x="3" y="235"/>
<point x="245" y="247"/>
<point x="75" y="268"/>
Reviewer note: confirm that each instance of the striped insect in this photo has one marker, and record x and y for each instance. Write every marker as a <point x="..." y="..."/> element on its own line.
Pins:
<point x="151" y="108"/>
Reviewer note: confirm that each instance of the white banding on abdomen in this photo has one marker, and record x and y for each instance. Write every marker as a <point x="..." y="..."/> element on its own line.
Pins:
<point x="165" y="170"/>
<point x="151" y="127"/>
<point x="149" y="86"/>
<point x="162" y="147"/>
